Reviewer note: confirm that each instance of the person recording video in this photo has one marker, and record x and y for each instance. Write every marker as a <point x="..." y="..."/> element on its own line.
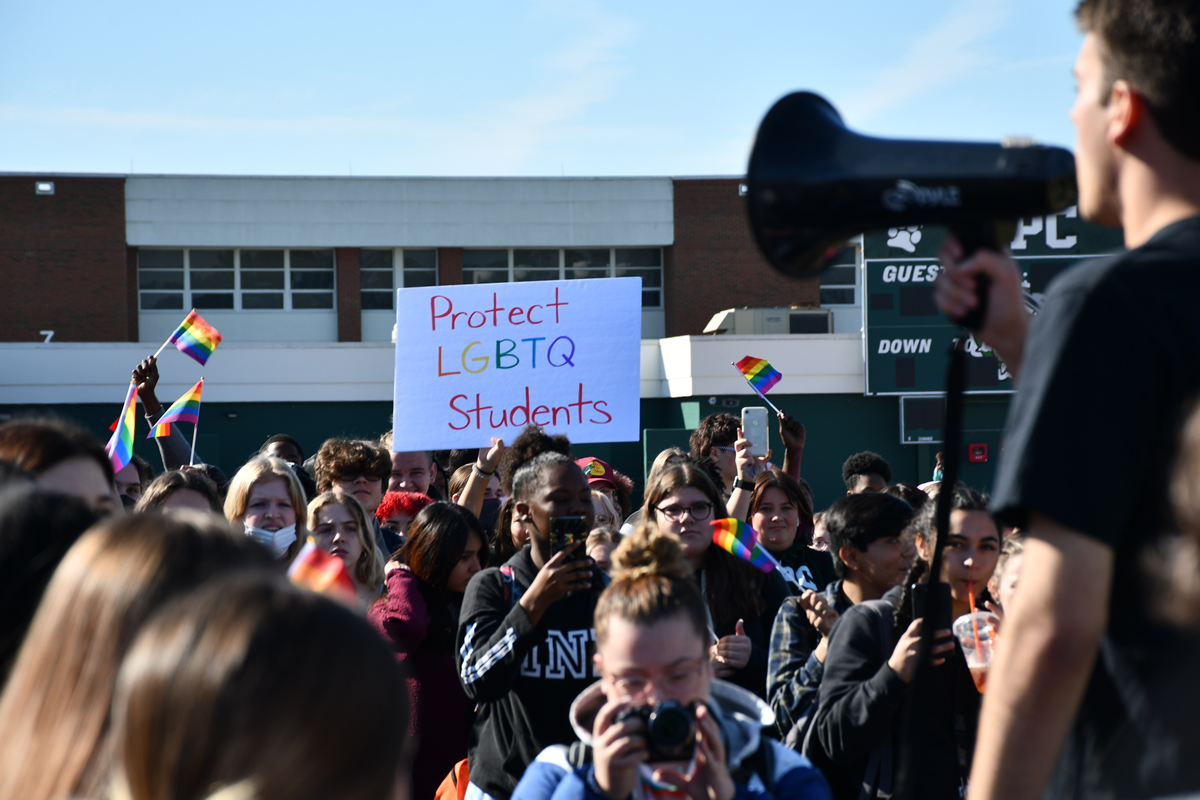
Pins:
<point x="1080" y="677"/>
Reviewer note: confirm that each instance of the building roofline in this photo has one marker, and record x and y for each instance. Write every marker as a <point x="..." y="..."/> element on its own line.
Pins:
<point x="54" y="174"/>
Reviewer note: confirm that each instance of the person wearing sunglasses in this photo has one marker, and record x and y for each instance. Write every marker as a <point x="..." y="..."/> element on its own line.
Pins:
<point x="742" y="601"/>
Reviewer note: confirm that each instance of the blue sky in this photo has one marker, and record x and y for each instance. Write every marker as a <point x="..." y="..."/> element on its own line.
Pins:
<point x="521" y="88"/>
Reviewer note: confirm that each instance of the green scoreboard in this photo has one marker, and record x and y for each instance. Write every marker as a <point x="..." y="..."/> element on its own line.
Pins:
<point x="907" y="340"/>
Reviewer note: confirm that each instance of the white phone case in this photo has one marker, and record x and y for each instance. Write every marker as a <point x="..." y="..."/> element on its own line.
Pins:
<point x="754" y="428"/>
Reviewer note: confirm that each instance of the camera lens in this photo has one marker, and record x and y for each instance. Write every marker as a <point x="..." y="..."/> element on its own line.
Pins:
<point x="671" y="726"/>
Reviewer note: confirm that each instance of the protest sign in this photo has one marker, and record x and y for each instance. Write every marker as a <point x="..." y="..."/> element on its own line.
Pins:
<point x="484" y="360"/>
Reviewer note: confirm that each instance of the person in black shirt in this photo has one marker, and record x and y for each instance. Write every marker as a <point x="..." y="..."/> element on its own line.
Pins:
<point x="525" y="634"/>
<point x="1105" y="371"/>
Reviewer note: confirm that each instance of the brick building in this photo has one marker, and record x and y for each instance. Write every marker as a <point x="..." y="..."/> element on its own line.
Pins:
<point x="299" y="275"/>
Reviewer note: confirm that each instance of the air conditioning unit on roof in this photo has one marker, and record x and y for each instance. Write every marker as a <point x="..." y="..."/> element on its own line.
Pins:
<point x="748" y="321"/>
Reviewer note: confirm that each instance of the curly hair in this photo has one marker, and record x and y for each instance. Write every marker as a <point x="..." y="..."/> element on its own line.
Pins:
<point x="394" y="503"/>
<point x="530" y="442"/>
<point x="338" y="457"/>
<point x="865" y="463"/>
<point x="715" y="430"/>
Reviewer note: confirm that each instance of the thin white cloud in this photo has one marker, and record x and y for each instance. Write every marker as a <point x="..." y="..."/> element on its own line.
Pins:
<point x="946" y="53"/>
<point x="506" y="135"/>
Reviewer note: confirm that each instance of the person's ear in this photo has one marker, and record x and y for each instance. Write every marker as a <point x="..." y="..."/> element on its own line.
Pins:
<point x="1126" y="114"/>
<point x="849" y="556"/>
<point x="521" y="510"/>
<point x="923" y="548"/>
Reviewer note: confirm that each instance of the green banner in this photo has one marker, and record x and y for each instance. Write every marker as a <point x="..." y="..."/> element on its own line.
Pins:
<point x="908" y="340"/>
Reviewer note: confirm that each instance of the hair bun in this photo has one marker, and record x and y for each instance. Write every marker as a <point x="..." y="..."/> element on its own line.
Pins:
<point x="649" y="552"/>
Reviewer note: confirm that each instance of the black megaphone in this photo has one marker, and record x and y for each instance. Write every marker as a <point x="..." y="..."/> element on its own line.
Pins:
<point x="812" y="184"/>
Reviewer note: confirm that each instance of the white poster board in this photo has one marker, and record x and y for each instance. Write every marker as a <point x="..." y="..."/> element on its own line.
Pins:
<point x="484" y="360"/>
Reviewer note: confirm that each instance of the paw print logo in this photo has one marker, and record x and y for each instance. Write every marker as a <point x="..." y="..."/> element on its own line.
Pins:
<point x="905" y="238"/>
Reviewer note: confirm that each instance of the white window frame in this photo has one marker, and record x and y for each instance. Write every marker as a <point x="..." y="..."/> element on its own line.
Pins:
<point x="287" y="289"/>
<point x="562" y="264"/>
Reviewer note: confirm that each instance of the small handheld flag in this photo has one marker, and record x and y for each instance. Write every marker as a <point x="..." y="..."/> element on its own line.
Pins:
<point x="761" y="376"/>
<point x="120" y="446"/>
<point x="195" y="337"/>
<point x="735" y="536"/>
<point x="322" y="573"/>
<point x="185" y="409"/>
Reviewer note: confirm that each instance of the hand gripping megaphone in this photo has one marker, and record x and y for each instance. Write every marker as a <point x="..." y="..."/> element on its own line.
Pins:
<point x="812" y="184"/>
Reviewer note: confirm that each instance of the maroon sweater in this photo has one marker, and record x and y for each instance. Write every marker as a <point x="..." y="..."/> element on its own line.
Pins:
<point x="440" y="713"/>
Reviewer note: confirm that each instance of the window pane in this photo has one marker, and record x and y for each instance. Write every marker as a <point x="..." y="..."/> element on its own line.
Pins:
<point x="650" y="298"/>
<point x="535" y="274"/>
<point x="377" y="279"/>
<point x="262" y="280"/>
<point x="312" y="259"/>
<point x="312" y="300"/>
<point x="373" y="301"/>
<point x="262" y="259"/>
<point x="484" y="259"/>
<point x="639" y="257"/>
<point x="837" y="297"/>
<point x="535" y="259"/>
<point x="479" y="276"/>
<point x="160" y="259"/>
<point x="375" y="259"/>
<point x="426" y="259"/>
<point x="262" y="300"/>
<point x="211" y="279"/>
<point x="312" y="280"/>
<point x="160" y="279"/>
<point x="650" y="277"/>
<point x="153" y="301"/>
<point x="210" y="259"/>
<point x="838" y="276"/>
<point x="591" y="258"/>
<point x="212" y="300"/>
<point x="421" y="277"/>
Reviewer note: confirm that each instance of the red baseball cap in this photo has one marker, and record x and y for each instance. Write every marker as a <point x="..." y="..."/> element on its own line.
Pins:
<point x="596" y="471"/>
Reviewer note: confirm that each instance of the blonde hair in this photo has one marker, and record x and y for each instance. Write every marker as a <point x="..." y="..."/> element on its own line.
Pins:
<point x="255" y="471"/>
<point x="613" y="512"/>
<point x="661" y="461"/>
<point x="603" y="533"/>
<point x="651" y="581"/>
<point x="368" y="572"/>
<point x="54" y="714"/>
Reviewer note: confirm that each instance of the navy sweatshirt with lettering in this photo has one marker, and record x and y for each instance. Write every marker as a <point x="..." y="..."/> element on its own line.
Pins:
<point x="523" y="677"/>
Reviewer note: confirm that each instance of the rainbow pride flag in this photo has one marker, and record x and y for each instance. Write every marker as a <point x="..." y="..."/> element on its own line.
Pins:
<point x="759" y="373"/>
<point x="316" y="570"/>
<point x="120" y="446"/>
<point x="185" y="409"/>
<point x="196" y="338"/>
<point x="735" y="536"/>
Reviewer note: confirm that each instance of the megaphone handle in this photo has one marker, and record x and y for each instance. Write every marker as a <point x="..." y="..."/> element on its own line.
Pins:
<point x="974" y="237"/>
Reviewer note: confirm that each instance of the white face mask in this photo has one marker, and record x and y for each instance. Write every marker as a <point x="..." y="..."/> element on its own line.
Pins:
<point x="276" y="541"/>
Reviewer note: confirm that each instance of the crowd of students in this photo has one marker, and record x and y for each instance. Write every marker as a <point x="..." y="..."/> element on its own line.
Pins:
<point x="518" y="630"/>
<point x="508" y="644"/>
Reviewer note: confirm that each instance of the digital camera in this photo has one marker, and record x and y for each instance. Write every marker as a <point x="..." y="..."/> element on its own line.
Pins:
<point x="670" y="729"/>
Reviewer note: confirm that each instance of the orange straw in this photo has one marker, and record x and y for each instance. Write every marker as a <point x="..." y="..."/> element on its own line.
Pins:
<point x="974" y="621"/>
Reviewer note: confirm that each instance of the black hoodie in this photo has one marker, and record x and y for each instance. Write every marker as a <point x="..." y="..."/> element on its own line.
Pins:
<point x="523" y="678"/>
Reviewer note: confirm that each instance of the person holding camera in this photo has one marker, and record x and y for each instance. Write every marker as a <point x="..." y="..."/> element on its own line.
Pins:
<point x="658" y="723"/>
<point x="525" y="637"/>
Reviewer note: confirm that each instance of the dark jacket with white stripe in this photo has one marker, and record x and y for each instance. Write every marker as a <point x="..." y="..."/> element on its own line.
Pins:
<point x="523" y="678"/>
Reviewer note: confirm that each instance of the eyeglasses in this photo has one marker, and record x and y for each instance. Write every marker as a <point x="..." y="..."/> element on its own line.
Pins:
<point x="730" y="449"/>
<point x="699" y="511"/>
